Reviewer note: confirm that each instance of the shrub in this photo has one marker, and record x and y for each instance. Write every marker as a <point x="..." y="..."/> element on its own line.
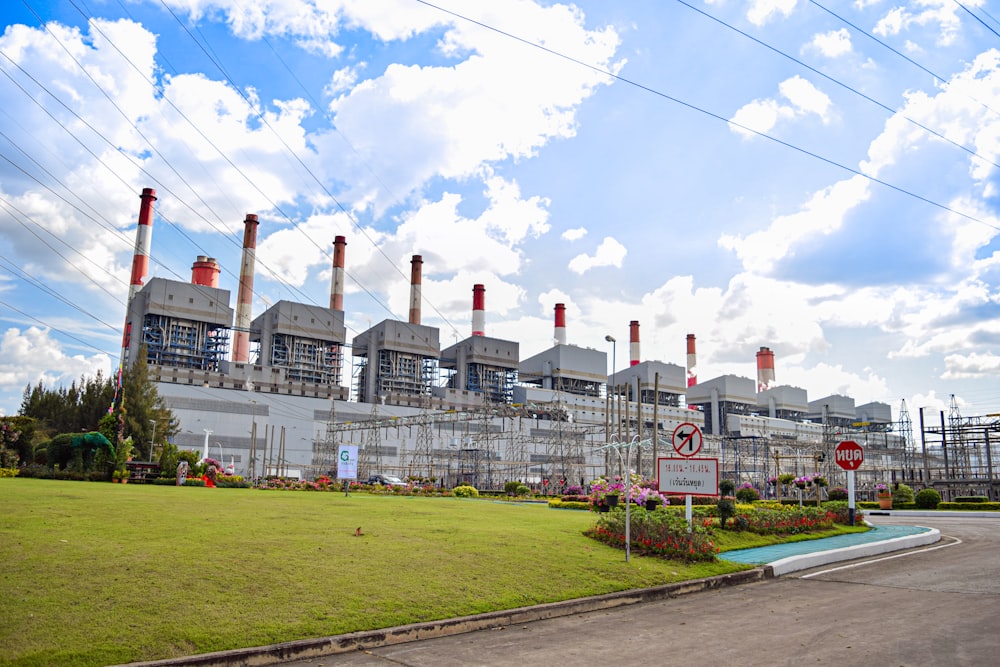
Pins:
<point x="837" y="493"/>
<point x="522" y="490"/>
<point x="747" y="494"/>
<point x="927" y="499"/>
<point x="465" y="491"/>
<point x="510" y="488"/>
<point x="901" y="493"/>
<point x="841" y="513"/>
<point x="726" y="487"/>
<point x="664" y="534"/>
<point x="726" y="508"/>
<point x="970" y="499"/>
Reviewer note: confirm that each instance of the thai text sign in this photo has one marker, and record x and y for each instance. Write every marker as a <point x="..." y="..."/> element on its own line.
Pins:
<point x="689" y="476"/>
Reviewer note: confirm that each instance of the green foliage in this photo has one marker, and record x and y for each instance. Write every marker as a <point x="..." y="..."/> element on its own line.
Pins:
<point x="971" y="499"/>
<point x="510" y="488"/>
<point x="927" y="499"/>
<point x="168" y="460"/>
<point x="837" y="493"/>
<point x="901" y="493"/>
<point x="786" y="478"/>
<point x="726" y="508"/>
<point x="522" y="490"/>
<point x="465" y="491"/>
<point x="841" y="512"/>
<point x="747" y="495"/>
<point x="726" y="487"/>
<point x="977" y="507"/>
<point x="657" y="533"/>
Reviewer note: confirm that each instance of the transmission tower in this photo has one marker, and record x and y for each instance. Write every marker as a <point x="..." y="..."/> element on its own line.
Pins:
<point x="904" y="427"/>
<point x="422" y="460"/>
<point x="958" y="446"/>
<point x="371" y="446"/>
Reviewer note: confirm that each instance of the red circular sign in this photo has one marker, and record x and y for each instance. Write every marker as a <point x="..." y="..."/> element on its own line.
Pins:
<point x="849" y="455"/>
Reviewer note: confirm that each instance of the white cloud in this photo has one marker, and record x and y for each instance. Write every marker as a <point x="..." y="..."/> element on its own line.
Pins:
<point x="27" y="356"/>
<point x="609" y="253"/>
<point x="944" y="15"/>
<point x="762" y="11"/>
<point x="574" y="234"/>
<point x="832" y="44"/>
<point x="763" y="115"/>
<point x="822" y="215"/>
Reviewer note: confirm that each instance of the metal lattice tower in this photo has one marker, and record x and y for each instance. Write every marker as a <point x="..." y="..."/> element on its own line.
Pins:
<point x="371" y="445"/>
<point x="904" y="427"/>
<point x="422" y="460"/>
<point x="963" y="467"/>
<point x="517" y="454"/>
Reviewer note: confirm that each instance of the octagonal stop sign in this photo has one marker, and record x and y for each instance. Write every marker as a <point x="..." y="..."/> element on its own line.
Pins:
<point x="849" y="455"/>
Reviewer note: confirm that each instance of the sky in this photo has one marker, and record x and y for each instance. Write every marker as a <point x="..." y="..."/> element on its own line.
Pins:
<point x="818" y="178"/>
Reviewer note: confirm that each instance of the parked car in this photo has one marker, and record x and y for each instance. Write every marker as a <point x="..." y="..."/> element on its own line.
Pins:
<point x="386" y="480"/>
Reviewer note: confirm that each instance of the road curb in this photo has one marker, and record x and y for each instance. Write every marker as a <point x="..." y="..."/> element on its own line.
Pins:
<point x="306" y="649"/>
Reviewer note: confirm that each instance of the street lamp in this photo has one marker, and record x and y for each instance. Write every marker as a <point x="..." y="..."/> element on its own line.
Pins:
<point x="611" y="401"/>
<point x="152" y="439"/>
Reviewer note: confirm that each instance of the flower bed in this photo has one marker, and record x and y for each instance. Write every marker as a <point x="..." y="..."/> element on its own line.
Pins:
<point x="657" y="533"/>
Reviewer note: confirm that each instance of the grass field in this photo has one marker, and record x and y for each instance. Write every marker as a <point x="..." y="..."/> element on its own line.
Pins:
<point x="98" y="574"/>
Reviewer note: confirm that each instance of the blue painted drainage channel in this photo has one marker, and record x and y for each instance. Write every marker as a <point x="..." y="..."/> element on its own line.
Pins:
<point x="781" y="552"/>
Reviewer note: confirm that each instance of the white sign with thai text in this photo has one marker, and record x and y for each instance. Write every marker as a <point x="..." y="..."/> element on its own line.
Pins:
<point x="689" y="476"/>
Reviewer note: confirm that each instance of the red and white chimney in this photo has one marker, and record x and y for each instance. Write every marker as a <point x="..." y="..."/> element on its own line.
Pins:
<point x="337" y="279"/>
<point x="633" y="343"/>
<point x="478" y="310"/>
<point x="205" y="272"/>
<point x="143" y="241"/>
<point x="140" y="261"/>
<point x="692" y="362"/>
<point x="560" y="324"/>
<point x="244" y="301"/>
<point x="415" y="270"/>
<point x="765" y="369"/>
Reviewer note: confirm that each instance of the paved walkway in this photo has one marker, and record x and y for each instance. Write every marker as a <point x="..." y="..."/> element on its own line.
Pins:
<point x="777" y="552"/>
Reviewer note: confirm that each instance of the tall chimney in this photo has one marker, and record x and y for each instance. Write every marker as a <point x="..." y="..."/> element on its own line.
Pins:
<point x="140" y="261"/>
<point x="692" y="362"/>
<point x="633" y="343"/>
<point x="765" y="369"/>
<point x="478" y="310"/>
<point x="415" y="268"/>
<point x="205" y="272"/>
<point x="560" y="324"/>
<point x="241" y="341"/>
<point x="143" y="240"/>
<point x="337" y="279"/>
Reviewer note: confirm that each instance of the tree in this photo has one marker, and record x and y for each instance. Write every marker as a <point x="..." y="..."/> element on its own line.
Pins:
<point x="94" y="404"/>
<point x="143" y="404"/>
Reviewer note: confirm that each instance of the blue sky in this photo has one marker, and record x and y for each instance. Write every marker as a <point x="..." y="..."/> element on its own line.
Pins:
<point x="817" y="178"/>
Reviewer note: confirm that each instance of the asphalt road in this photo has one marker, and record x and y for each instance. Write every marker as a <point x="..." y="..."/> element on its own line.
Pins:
<point x="938" y="605"/>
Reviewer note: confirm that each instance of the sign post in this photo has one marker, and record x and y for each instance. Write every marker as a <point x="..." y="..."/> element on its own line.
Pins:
<point x="849" y="455"/>
<point x="687" y="475"/>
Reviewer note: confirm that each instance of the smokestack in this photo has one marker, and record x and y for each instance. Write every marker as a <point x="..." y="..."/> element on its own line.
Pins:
<point x="633" y="343"/>
<point x="205" y="272"/>
<point x="560" y="324"/>
<point x="478" y="310"/>
<point x="415" y="268"/>
<point x="241" y="341"/>
<point x="337" y="279"/>
<point x="692" y="361"/>
<point x="143" y="240"/>
<point x="765" y="368"/>
<point x="140" y="261"/>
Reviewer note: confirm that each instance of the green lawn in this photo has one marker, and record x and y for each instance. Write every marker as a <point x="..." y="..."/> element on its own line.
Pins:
<point x="96" y="574"/>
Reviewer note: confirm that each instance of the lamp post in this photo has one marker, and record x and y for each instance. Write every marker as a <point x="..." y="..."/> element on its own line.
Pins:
<point x="616" y="447"/>
<point x="611" y="401"/>
<point x="152" y="439"/>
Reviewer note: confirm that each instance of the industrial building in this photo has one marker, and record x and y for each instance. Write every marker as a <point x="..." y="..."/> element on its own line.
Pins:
<point x="277" y="393"/>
